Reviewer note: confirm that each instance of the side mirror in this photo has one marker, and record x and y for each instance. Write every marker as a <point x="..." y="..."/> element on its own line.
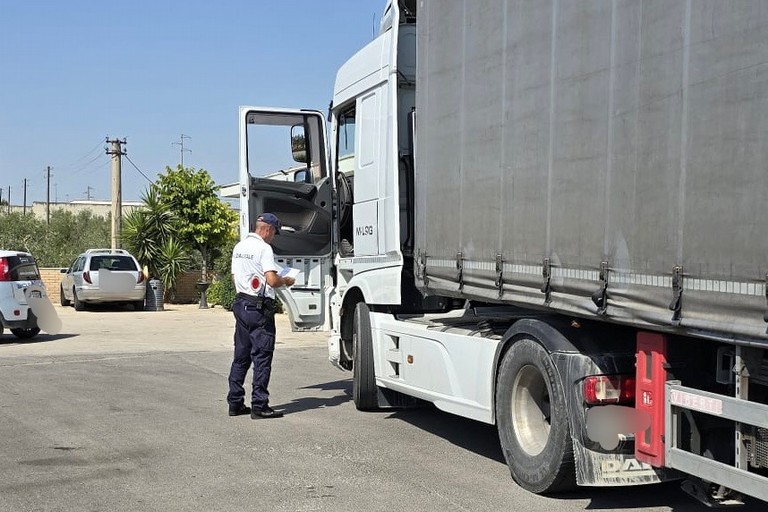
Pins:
<point x="298" y="143"/>
<point x="64" y="270"/>
<point x="301" y="176"/>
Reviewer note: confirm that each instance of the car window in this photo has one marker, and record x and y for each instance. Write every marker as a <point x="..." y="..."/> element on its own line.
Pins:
<point x="112" y="262"/>
<point x="78" y="265"/>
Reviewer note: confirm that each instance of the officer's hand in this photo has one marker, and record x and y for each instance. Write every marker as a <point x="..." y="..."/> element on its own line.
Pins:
<point x="289" y="281"/>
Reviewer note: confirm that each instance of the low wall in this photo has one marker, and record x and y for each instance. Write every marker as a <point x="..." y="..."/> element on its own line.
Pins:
<point x="52" y="279"/>
<point x="186" y="291"/>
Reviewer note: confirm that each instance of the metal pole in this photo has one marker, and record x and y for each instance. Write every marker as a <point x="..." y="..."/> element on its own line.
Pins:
<point x="182" y="150"/>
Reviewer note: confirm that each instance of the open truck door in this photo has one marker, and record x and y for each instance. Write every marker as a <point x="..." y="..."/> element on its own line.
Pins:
<point x="284" y="169"/>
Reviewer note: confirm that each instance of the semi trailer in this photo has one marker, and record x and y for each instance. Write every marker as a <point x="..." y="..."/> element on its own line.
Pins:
<point x="548" y="216"/>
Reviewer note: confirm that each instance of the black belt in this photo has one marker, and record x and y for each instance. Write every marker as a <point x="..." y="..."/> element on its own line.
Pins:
<point x="258" y="301"/>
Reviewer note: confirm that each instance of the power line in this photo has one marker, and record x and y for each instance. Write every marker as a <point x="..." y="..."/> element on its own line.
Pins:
<point x="87" y="164"/>
<point x="134" y="165"/>
<point x="97" y="146"/>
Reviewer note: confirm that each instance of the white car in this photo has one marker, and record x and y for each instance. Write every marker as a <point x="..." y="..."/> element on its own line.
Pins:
<point x="103" y="276"/>
<point x="18" y="271"/>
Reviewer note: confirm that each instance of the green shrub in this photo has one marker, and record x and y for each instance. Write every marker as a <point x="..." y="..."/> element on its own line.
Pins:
<point x="222" y="292"/>
<point x="279" y="306"/>
<point x="58" y="243"/>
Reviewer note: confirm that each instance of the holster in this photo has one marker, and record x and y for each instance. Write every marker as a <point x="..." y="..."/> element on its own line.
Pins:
<point x="265" y="304"/>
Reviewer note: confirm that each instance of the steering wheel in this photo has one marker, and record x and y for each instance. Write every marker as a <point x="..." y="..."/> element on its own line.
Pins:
<point x="344" y="188"/>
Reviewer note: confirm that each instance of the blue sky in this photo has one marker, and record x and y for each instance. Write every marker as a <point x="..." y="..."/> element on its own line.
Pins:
<point x="74" y="72"/>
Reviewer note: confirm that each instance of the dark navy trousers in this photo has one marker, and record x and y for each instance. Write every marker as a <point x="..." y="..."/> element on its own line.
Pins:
<point x="254" y="342"/>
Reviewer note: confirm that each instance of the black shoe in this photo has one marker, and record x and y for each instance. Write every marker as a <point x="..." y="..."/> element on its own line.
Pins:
<point x="266" y="412"/>
<point x="239" y="410"/>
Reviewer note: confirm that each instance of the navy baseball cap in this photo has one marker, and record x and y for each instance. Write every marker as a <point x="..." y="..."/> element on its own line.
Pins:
<point x="271" y="219"/>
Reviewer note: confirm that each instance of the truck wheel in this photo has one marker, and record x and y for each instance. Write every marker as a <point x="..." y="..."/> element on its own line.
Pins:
<point x="79" y="305"/>
<point x="532" y="419"/>
<point x="62" y="299"/>
<point x="25" y="334"/>
<point x="364" y="390"/>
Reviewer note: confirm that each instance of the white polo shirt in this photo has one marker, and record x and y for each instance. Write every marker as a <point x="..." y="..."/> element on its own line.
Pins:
<point x="252" y="257"/>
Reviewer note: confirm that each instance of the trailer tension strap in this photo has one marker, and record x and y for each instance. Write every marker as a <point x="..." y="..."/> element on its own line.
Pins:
<point x="600" y="297"/>
<point x="765" y="315"/>
<point x="546" y="288"/>
<point x="421" y="267"/>
<point x="460" y="268"/>
<point x="676" y="306"/>
<point x="500" y="274"/>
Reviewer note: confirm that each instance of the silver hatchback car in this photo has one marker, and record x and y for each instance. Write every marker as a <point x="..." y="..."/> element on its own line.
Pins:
<point x="103" y="276"/>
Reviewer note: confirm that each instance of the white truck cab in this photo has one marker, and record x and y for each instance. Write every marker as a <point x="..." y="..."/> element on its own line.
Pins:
<point x="345" y="216"/>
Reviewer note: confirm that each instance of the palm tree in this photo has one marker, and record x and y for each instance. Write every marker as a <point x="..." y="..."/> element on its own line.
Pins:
<point x="149" y="233"/>
<point x="173" y="260"/>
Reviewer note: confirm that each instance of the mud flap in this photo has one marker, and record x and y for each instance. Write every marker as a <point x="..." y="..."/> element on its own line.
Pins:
<point x="615" y="469"/>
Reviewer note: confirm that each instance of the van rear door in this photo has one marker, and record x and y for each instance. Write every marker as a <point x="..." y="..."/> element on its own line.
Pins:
<point x="23" y="273"/>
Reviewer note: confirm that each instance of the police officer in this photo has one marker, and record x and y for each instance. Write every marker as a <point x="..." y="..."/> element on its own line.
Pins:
<point x="256" y="276"/>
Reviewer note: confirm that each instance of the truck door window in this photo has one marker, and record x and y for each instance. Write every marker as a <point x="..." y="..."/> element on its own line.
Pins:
<point x="345" y="163"/>
<point x="345" y="143"/>
<point x="285" y="147"/>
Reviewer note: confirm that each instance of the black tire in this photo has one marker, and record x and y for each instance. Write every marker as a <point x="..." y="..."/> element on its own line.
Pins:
<point x="532" y="419"/>
<point x="79" y="305"/>
<point x="2" y="328"/>
<point x="365" y="393"/>
<point x="63" y="300"/>
<point x="26" y="334"/>
<point x="138" y="305"/>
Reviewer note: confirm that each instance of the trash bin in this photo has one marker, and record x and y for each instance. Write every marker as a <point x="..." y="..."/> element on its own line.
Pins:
<point x="154" y="298"/>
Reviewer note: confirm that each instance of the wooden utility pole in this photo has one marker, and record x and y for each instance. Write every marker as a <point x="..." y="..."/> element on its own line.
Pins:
<point x="24" y="209"/>
<point x="117" y="152"/>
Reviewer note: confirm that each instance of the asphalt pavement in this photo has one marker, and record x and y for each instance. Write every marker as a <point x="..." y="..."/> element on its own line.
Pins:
<point x="126" y="411"/>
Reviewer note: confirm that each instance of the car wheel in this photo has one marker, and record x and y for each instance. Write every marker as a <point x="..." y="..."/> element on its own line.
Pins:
<point x="138" y="305"/>
<point x="2" y="328"/>
<point x="79" y="305"/>
<point x="532" y="419"/>
<point x="26" y="334"/>
<point x="62" y="299"/>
